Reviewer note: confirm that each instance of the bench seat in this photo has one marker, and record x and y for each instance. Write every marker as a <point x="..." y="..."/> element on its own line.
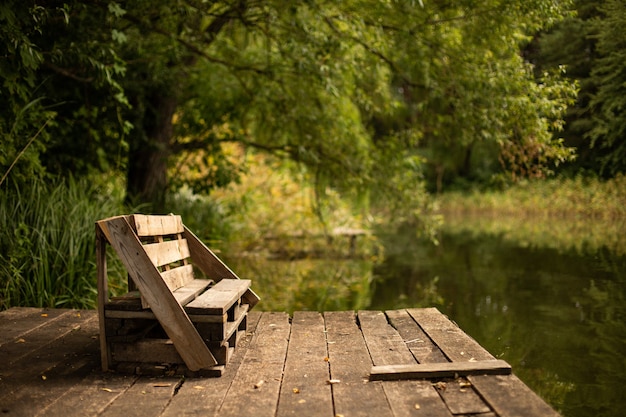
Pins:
<point x="168" y="316"/>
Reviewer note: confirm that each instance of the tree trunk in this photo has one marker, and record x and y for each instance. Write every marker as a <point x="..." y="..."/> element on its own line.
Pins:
<point x="149" y="152"/>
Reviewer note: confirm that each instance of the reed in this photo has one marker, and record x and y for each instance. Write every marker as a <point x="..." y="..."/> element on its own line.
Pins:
<point x="47" y="242"/>
<point x="566" y="198"/>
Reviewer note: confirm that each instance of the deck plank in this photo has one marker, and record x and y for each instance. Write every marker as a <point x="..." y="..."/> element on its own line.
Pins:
<point x="418" y="342"/>
<point x="18" y="322"/>
<point x="254" y="392"/>
<point x="385" y="345"/>
<point x="510" y="397"/>
<point x="44" y="374"/>
<point x="350" y="364"/>
<point x="305" y="389"/>
<point x="326" y="357"/>
<point x="453" y="342"/>
<point x="204" y="396"/>
<point x="44" y="332"/>
<point x="91" y="396"/>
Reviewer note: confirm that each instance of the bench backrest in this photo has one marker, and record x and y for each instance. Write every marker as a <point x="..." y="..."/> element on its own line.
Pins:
<point x="162" y="239"/>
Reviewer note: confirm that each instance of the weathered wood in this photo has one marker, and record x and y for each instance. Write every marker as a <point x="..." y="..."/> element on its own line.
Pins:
<point x="91" y="396"/>
<point x="385" y="345"/>
<point x="151" y="225"/>
<point x="325" y="358"/>
<point x="255" y="390"/>
<point x="180" y="277"/>
<point x="212" y="266"/>
<point x="103" y="296"/>
<point x="42" y="335"/>
<point x="19" y="321"/>
<point x="147" y="397"/>
<point x="219" y="298"/>
<point x="170" y="314"/>
<point x="460" y="397"/>
<point x="510" y="397"/>
<point x="170" y="251"/>
<point x="204" y="396"/>
<point x="59" y="363"/>
<point x="418" y="342"/>
<point x="453" y="342"/>
<point x="415" y="398"/>
<point x="350" y="364"/>
<point x="184" y="295"/>
<point x="305" y="389"/>
<point x="439" y="370"/>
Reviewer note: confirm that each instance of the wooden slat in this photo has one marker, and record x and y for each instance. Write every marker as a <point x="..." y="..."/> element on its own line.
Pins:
<point x="439" y="370"/>
<point x="204" y="396"/>
<point x="219" y="298"/>
<point x="350" y="364"/>
<point x="91" y="395"/>
<point x="146" y="397"/>
<point x="510" y="397"/>
<point x="418" y="342"/>
<point x="170" y="314"/>
<point x="151" y="225"/>
<point x="305" y="390"/>
<point x="453" y="342"/>
<point x="40" y="377"/>
<point x="212" y="266"/>
<point x="461" y="399"/>
<point x="167" y="252"/>
<point x="191" y="290"/>
<point x="176" y="278"/>
<point x="255" y="390"/>
<point x="56" y="324"/>
<point x="416" y="398"/>
<point x="384" y="344"/>
<point x="103" y="296"/>
<point x="17" y="322"/>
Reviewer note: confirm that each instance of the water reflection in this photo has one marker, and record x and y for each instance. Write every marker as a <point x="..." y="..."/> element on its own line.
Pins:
<point x="555" y="313"/>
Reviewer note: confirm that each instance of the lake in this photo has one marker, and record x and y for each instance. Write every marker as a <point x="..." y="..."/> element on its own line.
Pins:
<point x="554" y="308"/>
<point x="548" y="296"/>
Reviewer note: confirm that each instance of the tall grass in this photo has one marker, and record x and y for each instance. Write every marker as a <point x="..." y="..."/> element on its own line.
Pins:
<point x="47" y="242"/>
<point x="579" y="197"/>
<point x="581" y="214"/>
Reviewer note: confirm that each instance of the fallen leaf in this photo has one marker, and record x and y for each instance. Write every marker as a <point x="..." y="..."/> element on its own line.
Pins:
<point x="465" y="384"/>
<point x="301" y="401"/>
<point x="296" y="391"/>
<point x="198" y="387"/>
<point x="44" y="377"/>
<point x="326" y="359"/>
<point x="259" y="384"/>
<point x="20" y="341"/>
<point x="333" y="381"/>
<point x="107" y="389"/>
<point x="417" y="406"/>
<point x="44" y="315"/>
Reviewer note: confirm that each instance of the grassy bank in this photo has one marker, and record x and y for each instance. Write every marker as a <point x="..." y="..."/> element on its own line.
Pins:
<point x="565" y="214"/>
<point x="581" y="197"/>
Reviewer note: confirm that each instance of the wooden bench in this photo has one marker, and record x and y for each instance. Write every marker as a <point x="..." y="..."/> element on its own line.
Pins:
<point x="169" y="321"/>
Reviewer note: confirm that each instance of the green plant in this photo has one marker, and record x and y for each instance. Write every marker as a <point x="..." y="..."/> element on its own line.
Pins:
<point x="47" y="242"/>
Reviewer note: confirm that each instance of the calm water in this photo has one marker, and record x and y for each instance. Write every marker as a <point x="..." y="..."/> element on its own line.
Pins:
<point x="558" y="316"/>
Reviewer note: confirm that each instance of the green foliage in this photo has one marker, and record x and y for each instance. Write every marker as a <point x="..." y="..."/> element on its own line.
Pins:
<point x="609" y="103"/>
<point x="47" y="242"/>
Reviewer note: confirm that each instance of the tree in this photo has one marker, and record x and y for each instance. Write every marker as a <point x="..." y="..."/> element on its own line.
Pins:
<point x="349" y="90"/>
<point x="608" y="104"/>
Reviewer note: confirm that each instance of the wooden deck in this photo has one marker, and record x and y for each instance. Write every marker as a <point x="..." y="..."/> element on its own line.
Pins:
<point x="308" y="365"/>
